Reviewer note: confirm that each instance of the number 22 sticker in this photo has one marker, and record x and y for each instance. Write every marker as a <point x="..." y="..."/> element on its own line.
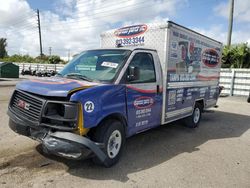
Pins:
<point x="89" y="106"/>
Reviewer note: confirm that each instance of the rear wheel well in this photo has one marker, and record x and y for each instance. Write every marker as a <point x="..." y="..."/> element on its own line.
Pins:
<point x="193" y="120"/>
<point x="201" y="103"/>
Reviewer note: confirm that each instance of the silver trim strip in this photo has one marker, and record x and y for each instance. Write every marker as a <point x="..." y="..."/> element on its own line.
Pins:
<point x="192" y="84"/>
<point x="179" y="112"/>
<point x="164" y="66"/>
<point x="210" y="102"/>
<point x="169" y="121"/>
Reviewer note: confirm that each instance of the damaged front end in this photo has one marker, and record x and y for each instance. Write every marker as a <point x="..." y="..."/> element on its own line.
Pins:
<point x="57" y="124"/>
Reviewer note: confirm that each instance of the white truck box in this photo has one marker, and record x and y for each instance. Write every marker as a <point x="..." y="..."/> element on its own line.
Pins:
<point x="190" y="62"/>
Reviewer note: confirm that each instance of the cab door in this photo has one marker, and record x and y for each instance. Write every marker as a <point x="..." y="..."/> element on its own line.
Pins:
<point x="143" y="92"/>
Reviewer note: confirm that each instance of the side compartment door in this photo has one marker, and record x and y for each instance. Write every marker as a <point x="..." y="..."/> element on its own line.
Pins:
<point x="143" y="92"/>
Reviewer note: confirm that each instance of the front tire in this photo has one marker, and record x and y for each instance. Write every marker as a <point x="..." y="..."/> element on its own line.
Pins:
<point x="111" y="133"/>
<point x="194" y="120"/>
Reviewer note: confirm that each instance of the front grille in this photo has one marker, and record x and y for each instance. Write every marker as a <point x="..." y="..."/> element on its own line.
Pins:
<point x="27" y="106"/>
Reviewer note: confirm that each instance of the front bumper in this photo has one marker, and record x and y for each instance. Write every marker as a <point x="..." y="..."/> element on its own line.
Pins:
<point x="60" y="143"/>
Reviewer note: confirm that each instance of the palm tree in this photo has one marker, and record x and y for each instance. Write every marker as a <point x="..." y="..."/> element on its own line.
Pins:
<point x="236" y="56"/>
<point x="227" y="57"/>
<point x="241" y="56"/>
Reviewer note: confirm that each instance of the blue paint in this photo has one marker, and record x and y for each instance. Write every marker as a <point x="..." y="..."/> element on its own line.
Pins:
<point x="107" y="99"/>
<point x="178" y="99"/>
<point x="140" y="108"/>
<point x="144" y="110"/>
<point x="131" y="31"/>
<point x="55" y="87"/>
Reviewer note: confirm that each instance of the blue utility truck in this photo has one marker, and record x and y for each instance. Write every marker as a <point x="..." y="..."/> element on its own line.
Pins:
<point x="143" y="76"/>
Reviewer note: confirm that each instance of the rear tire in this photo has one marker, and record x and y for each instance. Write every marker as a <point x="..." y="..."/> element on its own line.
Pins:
<point x="194" y="120"/>
<point x="111" y="133"/>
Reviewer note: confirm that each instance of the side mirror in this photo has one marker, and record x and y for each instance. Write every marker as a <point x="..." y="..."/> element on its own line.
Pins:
<point x="133" y="73"/>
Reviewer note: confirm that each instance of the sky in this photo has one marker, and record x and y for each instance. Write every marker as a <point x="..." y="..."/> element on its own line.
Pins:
<point x="71" y="26"/>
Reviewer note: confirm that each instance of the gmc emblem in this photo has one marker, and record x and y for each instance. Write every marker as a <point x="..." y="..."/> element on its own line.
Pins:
<point x="22" y="104"/>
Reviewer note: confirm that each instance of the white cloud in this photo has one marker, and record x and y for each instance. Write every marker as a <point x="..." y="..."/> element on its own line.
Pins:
<point x="74" y="24"/>
<point x="218" y="32"/>
<point x="241" y="21"/>
<point x="241" y="10"/>
<point x="214" y="32"/>
<point x="12" y="10"/>
<point x="65" y="7"/>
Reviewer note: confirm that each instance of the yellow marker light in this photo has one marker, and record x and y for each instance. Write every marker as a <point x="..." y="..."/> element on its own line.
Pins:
<point x="79" y="88"/>
<point x="81" y="129"/>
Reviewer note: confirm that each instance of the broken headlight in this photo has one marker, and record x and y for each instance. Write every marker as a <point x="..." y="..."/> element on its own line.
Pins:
<point x="61" y="115"/>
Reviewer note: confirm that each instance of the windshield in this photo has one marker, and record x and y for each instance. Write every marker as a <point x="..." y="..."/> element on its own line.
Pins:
<point x="96" y="65"/>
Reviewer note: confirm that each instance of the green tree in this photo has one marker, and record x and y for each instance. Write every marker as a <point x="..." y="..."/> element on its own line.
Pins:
<point x="227" y="57"/>
<point x="241" y="55"/>
<point x="3" y="45"/>
<point x="18" y="58"/>
<point x="54" y="59"/>
<point x="236" y="56"/>
<point x="42" y="59"/>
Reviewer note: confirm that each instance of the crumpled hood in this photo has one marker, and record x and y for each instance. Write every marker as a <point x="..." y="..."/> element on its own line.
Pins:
<point x="54" y="86"/>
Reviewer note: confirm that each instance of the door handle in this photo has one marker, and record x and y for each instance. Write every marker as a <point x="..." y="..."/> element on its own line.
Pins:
<point x="157" y="89"/>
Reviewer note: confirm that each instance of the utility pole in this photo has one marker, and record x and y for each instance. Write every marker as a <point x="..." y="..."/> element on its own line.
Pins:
<point x="39" y="30"/>
<point x="68" y="54"/>
<point x="230" y="23"/>
<point x="50" y="49"/>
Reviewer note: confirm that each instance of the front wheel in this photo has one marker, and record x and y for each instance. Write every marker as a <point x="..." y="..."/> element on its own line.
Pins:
<point x="111" y="133"/>
<point x="194" y="120"/>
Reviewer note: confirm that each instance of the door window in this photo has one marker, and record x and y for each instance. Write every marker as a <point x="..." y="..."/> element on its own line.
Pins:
<point x="145" y="63"/>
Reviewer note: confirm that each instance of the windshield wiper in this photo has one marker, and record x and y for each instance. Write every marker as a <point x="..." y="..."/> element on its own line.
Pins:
<point x="78" y="76"/>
